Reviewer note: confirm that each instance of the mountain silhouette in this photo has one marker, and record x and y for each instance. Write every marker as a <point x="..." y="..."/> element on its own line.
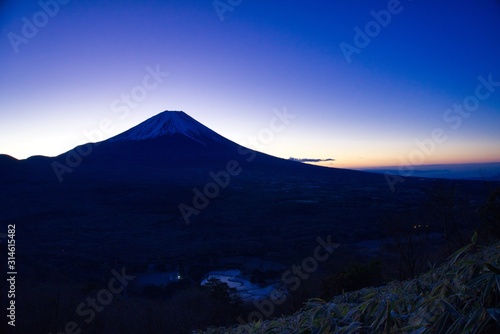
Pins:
<point x="163" y="146"/>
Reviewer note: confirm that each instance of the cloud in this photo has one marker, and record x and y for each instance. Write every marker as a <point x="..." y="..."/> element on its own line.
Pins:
<point x="310" y="160"/>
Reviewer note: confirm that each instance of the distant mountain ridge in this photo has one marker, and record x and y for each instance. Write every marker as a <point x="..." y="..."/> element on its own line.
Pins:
<point x="468" y="171"/>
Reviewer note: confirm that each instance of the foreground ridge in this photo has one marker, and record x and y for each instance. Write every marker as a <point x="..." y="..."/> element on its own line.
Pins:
<point x="460" y="296"/>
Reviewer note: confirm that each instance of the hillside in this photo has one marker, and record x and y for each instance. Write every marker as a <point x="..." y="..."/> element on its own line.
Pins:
<point x="460" y="296"/>
<point x="170" y="202"/>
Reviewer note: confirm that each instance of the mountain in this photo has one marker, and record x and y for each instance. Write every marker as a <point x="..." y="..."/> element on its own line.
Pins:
<point x="171" y="190"/>
<point x="160" y="147"/>
<point x="170" y="123"/>
<point x="171" y="193"/>
<point x="169" y="140"/>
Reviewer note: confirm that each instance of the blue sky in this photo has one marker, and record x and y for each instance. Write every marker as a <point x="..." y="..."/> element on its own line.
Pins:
<point x="233" y="69"/>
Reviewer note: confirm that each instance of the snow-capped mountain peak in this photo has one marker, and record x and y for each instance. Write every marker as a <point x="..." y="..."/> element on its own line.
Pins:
<point x="169" y="123"/>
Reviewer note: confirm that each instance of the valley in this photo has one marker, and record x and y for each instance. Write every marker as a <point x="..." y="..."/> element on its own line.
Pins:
<point x="255" y="224"/>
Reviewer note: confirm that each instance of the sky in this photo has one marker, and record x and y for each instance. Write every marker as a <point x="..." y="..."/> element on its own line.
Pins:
<point x="364" y="83"/>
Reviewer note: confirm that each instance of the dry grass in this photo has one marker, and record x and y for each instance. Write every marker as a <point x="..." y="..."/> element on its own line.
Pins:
<point x="460" y="296"/>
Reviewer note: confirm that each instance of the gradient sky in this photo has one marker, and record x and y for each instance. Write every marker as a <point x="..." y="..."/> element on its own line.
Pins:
<point x="264" y="56"/>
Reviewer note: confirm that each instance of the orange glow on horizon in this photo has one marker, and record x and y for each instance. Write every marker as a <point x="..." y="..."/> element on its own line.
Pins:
<point x="392" y="164"/>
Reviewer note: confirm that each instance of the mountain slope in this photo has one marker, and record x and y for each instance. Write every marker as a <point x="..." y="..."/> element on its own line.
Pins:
<point x="169" y="123"/>
<point x="162" y="146"/>
<point x="427" y="304"/>
<point x="125" y="200"/>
